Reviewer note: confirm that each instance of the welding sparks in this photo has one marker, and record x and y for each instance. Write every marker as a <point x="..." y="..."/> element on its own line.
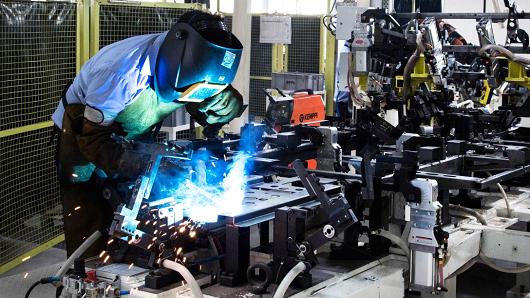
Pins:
<point x="130" y="266"/>
<point x="26" y="258"/>
<point x="26" y="275"/>
<point x="192" y="234"/>
<point x="107" y="289"/>
<point x="179" y="250"/>
<point x="149" y="246"/>
<point x="106" y="259"/>
<point x="102" y="253"/>
<point x="182" y="230"/>
<point x="214" y="188"/>
<point x="77" y="208"/>
<point x="110" y="241"/>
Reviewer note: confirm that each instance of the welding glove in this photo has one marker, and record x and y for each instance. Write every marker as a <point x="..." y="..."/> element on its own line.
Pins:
<point x="217" y="110"/>
<point x="106" y="147"/>
<point x="137" y="155"/>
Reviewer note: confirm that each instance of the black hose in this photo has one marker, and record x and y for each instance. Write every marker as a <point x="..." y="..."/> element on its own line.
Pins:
<point x="31" y="288"/>
<point x="44" y="280"/>
<point x="58" y="291"/>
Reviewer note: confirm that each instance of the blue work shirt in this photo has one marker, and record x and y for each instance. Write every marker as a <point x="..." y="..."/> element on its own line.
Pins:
<point x="114" y="77"/>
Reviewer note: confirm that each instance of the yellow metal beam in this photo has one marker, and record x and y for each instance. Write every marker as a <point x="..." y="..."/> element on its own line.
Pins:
<point x="322" y="51"/>
<point x="94" y="28"/>
<point x="83" y="35"/>
<point x="26" y="128"/>
<point x="261" y="78"/>
<point x="329" y="72"/>
<point x="37" y="250"/>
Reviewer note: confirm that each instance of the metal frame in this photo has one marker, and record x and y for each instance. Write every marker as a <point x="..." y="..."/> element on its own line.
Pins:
<point x="95" y="8"/>
<point x="37" y="250"/>
<point x="81" y="57"/>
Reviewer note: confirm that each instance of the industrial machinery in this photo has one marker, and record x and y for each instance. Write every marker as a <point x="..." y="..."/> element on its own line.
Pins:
<point x="398" y="204"/>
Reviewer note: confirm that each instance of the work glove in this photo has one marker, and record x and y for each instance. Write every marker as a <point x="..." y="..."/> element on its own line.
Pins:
<point x="217" y="110"/>
<point x="137" y="155"/>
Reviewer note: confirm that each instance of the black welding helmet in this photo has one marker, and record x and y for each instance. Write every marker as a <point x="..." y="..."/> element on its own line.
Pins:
<point x="198" y="58"/>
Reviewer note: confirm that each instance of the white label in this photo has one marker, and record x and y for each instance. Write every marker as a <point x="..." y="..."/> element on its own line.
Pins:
<point x="360" y="61"/>
<point x="275" y="29"/>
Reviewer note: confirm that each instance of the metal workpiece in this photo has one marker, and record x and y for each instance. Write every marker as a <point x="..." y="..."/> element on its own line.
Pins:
<point x="329" y="154"/>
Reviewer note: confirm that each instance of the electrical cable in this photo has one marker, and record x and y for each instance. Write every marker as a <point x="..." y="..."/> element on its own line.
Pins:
<point x="42" y="281"/>
<point x="288" y="279"/>
<point x="505" y="197"/>
<point x="504" y="53"/>
<point x="394" y="239"/>
<point x="409" y="67"/>
<point x="57" y="277"/>
<point x="469" y="211"/>
<point x="31" y="288"/>
<point x="186" y="274"/>
<point x="78" y="252"/>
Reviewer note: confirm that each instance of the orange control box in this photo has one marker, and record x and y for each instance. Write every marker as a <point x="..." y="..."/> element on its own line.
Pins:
<point x="308" y="108"/>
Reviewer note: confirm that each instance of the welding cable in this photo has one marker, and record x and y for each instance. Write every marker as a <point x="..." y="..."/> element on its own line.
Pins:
<point x="352" y="86"/>
<point x="78" y="252"/>
<point x="288" y="279"/>
<point x="394" y="239"/>
<point x="469" y="211"/>
<point x="409" y="67"/>
<point x="492" y="264"/>
<point x="186" y="274"/>
<point x="42" y="281"/>
<point x="505" y="197"/>
<point x="504" y="53"/>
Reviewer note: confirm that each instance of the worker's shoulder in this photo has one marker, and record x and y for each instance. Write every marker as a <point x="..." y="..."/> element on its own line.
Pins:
<point x="124" y="55"/>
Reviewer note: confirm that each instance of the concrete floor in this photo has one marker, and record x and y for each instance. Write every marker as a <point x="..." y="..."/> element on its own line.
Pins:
<point x="479" y="281"/>
<point x="14" y="285"/>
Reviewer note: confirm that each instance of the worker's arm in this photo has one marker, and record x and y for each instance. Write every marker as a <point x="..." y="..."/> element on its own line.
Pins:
<point x="217" y="110"/>
<point x="100" y="139"/>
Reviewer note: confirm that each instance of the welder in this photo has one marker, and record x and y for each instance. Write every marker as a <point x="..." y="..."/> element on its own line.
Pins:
<point x="123" y="93"/>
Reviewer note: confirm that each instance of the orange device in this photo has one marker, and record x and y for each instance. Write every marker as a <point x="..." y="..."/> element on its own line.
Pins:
<point x="300" y="108"/>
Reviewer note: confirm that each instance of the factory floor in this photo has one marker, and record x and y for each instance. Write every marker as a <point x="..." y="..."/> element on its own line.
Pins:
<point x="479" y="281"/>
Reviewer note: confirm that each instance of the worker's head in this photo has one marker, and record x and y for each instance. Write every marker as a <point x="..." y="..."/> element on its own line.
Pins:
<point x="198" y="58"/>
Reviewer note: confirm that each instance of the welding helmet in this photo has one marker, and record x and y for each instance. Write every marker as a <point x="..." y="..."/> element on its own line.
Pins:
<point x="198" y="58"/>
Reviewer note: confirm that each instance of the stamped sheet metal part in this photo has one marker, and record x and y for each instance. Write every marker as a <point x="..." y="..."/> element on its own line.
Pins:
<point x="264" y="198"/>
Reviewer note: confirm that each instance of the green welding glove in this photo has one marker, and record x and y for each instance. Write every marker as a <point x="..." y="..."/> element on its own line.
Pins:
<point x="217" y="110"/>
